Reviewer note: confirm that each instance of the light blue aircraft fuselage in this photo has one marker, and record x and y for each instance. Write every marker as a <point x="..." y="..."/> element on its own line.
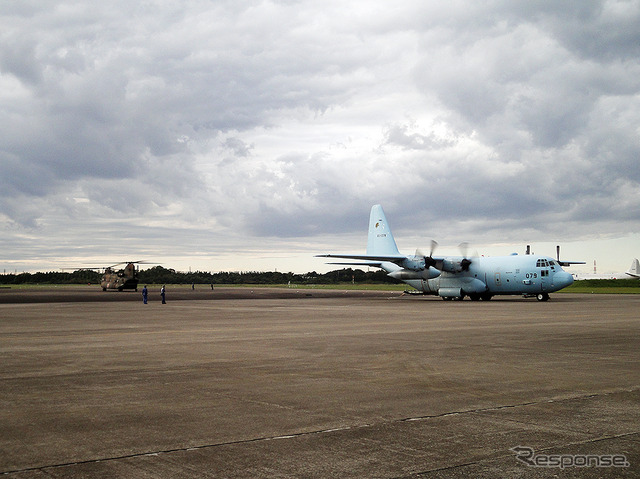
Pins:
<point x="488" y="276"/>
<point x="454" y="277"/>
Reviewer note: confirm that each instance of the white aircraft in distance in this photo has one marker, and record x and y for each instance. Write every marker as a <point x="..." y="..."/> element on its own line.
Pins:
<point x="458" y="276"/>
<point x="634" y="272"/>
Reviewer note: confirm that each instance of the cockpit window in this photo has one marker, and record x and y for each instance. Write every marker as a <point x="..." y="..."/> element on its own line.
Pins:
<point x="542" y="263"/>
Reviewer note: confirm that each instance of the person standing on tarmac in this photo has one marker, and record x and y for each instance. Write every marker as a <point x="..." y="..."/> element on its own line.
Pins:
<point x="162" y="294"/>
<point x="144" y="294"/>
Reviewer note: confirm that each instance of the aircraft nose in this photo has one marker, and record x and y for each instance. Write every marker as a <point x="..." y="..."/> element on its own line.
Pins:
<point x="562" y="279"/>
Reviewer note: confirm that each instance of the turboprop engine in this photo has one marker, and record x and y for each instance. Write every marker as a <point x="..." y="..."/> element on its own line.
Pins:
<point x="414" y="263"/>
<point x="404" y="274"/>
<point x="455" y="265"/>
<point x="416" y="267"/>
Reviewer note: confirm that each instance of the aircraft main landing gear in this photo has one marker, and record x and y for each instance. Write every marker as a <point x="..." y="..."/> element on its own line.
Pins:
<point x="542" y="297"/>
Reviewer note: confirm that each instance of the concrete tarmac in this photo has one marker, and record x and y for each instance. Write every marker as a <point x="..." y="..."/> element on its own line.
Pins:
<point x="319" y="385"/>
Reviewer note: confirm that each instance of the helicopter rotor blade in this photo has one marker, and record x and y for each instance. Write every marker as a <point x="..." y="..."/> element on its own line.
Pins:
<point x="117" y="264"/>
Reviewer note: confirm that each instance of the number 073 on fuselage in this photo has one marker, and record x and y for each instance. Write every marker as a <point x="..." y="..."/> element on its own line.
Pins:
<point x="454" y="277"/>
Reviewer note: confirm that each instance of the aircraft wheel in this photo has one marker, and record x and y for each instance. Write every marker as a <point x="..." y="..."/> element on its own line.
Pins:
<point x="485" y="297"/>
<point x="104" y="289"/>
<point x="447" y="298"/>
<point x="474" y="297"/>
<point x="542" y="297"/>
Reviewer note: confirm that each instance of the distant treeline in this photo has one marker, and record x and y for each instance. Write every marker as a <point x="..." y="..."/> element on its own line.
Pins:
<point x="161" y="275"/>
<point x="604" y="283"/>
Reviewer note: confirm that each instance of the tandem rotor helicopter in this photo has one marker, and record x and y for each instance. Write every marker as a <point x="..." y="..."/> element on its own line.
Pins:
<point x="126" y="278"/>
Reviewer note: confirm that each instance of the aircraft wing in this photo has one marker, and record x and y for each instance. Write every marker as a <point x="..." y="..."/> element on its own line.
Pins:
<point x="367" y="259"/>
<point x="373" y="264"/>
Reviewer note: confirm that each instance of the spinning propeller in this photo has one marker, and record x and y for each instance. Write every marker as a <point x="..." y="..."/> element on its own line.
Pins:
<point x="428" y="260"/>
<point x="465" y="262"/>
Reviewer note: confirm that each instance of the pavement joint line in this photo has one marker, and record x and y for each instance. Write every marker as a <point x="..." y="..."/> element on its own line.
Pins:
<point x="344" y="428"/>
<point x="524" y="404"/>
<point x="594" y="440"/>
<point x="417" y="475"/>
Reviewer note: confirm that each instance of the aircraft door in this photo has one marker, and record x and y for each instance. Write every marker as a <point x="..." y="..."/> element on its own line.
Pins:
<point x="497" y="280"/>
<point x="544" y="280"/>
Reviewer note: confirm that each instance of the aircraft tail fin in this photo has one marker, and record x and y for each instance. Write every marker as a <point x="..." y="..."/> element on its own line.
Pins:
<point x="380" y="240"/>
<point x="635" y="269"/>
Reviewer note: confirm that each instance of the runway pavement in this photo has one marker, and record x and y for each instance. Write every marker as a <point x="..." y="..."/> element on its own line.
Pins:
<point x="319" y="384"/>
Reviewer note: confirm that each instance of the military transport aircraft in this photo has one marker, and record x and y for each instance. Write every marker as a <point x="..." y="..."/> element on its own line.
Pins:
<point x="126" y="278"/>
<point x="458" y="276"/>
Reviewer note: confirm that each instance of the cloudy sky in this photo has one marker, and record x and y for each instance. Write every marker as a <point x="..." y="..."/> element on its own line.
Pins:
<point x="251" y="135"/>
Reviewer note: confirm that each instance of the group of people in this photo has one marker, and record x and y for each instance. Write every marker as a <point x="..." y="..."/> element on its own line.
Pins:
<point x="145" y="294"/>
